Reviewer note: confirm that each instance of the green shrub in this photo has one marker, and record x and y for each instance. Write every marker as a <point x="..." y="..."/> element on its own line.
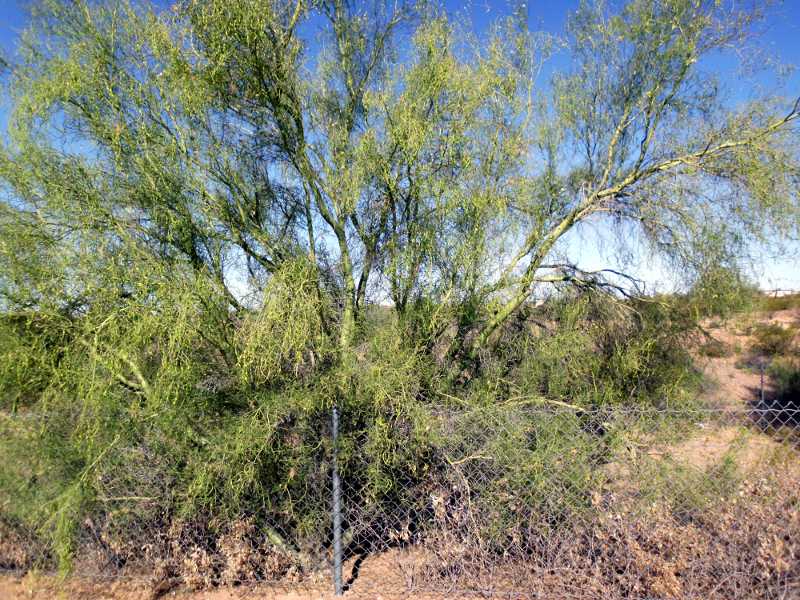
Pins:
<point x="772" y="339"/>
<point x="528" y="468"/>
<point x="775" y="303"/>
<point x="686" y="490"/>
<point x="143" y="416"/>
<point x="785" y="375"/>
<point x="601" y="352"/>
<point x="721" y="291"/>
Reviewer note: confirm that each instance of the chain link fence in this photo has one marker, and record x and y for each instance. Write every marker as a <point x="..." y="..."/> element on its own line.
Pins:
<point x="560" y="503"/>
<point x="524" y="499"/>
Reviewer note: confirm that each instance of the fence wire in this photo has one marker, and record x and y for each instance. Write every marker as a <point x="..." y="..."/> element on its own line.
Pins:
<point x="522" y="499"/>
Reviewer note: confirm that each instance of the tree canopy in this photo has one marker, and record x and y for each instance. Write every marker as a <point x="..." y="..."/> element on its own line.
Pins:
<point x="373" y="154"/>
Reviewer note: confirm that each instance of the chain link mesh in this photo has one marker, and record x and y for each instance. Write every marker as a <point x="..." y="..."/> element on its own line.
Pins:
<point x="515" y="500"/>
<point x="557" y="502"/>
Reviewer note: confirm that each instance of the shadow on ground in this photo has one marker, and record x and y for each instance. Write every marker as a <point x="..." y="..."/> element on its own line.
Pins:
<point x="775" y="410"/>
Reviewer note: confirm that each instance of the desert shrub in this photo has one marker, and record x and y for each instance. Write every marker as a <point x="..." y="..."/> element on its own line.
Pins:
<point x="715" y="349"/>
<point x="141" y="414"/>
<point x="772" y="339"/>
<point x="154" y="419"/>
<point x="174" y="418"/>
<point x="721" y="291"/>
<point x="688" y="491"/>
<point x="603" y="352"/>
<point x="121" y="396"/>
<point x="785" y="375"/>
<point x="775" y="303"/>
<point x="513" y="471"/>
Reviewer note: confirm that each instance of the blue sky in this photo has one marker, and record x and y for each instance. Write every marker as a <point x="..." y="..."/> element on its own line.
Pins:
<point x="592" y="247"/>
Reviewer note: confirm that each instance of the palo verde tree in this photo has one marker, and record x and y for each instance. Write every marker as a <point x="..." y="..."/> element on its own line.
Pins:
<point x="375" y="153"/>
<point x="207" y="208"/>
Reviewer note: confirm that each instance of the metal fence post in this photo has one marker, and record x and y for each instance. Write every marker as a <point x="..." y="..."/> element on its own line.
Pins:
<point x="337" y="506"/>
<point x="761" y="364"/>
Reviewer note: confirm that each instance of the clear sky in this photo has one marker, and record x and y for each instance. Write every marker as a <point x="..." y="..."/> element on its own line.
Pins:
<point x="591" y="246"/>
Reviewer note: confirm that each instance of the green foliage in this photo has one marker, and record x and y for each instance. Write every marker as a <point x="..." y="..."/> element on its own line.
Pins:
<point x="785" y="375"/>
<point x="687" y="490"/>
<point x="27" y="357"/>
<point x="774" y="303"/>
<point x="517" y="472"/>
<point x="595" y="352"/>
<point x="773" y="339"/>
<point x="207" y="209"/>
<point x="287" y="333"/>
<point x="721" y="292"/>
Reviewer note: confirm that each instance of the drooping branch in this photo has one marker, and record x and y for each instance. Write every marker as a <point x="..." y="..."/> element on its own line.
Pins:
<point x="538" y="246"/>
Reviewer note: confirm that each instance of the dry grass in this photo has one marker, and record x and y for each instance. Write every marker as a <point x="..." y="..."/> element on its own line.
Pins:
<point x="748" y="547"/>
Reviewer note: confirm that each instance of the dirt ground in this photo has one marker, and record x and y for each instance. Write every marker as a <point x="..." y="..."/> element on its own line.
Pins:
<point x="382" y="577"/>
<point x="386" y="576"/>
<point x="392" y="574"/>
<point x="42" y="588"/>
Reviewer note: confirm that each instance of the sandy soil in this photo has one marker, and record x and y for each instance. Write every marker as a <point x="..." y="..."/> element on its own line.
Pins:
<point x="45" y="588"/>
<point x="383" y="577"/>
<point x="735" y="387"/>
